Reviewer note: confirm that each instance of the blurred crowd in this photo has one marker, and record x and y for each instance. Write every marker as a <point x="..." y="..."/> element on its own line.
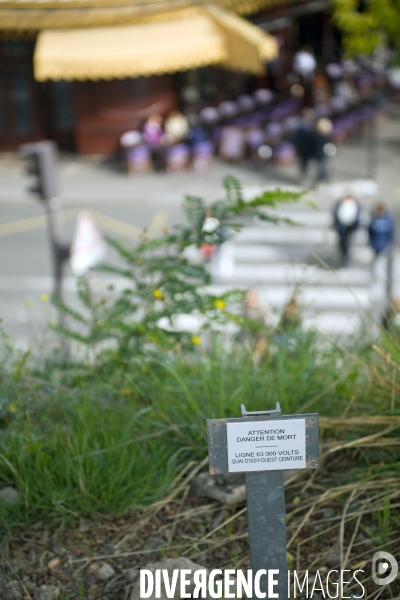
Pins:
<point x="305" y="118"/>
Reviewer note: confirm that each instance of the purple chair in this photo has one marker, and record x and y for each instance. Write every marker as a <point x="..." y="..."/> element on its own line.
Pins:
<point x="232" y="144"/>
<point x="209" y="116"/>
<point x="246" y="103"/>
<point x="334" y="71"/>
<point x="284" y="153"/>
<point x="340" y="131"/>
<point x="290" y="124"/>
<point x="203" y="153"/>
<point x="138" y="159"/>
<point x="263" y="96"/>
<point x="244" y="121"/>
<point x="286" y="108"/>
<point x="177" y="157"/>
<point x="273" y="133"/>
<point x="216" y="134"/>
<point x="255" y="138"/>
<point x="323" y="111"/>
<point x="339" y="104"/>
<point x="228" y="109"/>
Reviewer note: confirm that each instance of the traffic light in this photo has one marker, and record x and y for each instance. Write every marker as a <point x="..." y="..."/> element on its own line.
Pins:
<point x="40" y="161"/>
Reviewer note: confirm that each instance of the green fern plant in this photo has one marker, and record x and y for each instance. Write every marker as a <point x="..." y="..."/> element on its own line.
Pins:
<point x="162" y="283"/>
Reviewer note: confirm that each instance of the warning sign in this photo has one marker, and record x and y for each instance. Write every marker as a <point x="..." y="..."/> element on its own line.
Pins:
<point x="88" y="246"/>
<point x="267" y="445"/>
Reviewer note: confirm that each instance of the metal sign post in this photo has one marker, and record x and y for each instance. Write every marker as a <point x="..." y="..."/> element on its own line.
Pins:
<point x="41" y="163"/>
<point x="263" y="444"/>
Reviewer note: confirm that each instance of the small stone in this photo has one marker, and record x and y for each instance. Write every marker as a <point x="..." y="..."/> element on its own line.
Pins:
<point x="45" y="537"/>
<point x="104" y="572"/>
<point x="327" y="513"/>
<point x="83" y="526"/>
<point x="9" y="495"/>
<point x="54" y="563"/>
<point x="227" y="489"/>
<point x="47" y="592"/>
<point x="333" y="559"/>
<point x="92" y="568"/>
<point x="132" y="574"/>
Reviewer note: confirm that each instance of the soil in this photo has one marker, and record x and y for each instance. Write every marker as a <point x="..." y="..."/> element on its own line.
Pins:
<point x="323" y="533"/>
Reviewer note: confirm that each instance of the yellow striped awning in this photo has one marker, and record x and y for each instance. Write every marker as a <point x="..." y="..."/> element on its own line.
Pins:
<point x="204" y="36"/>
<point x="36" y="15"/>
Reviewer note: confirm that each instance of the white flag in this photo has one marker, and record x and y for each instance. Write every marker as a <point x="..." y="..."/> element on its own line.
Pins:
<point x="88" y="246"/>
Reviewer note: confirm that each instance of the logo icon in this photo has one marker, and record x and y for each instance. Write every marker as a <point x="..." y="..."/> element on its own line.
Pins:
<point x="384" y="568"/>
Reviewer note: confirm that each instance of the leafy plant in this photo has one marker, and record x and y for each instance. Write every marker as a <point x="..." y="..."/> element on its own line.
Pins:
<point x="162" y="281"/>
<point x="367" y="25"/>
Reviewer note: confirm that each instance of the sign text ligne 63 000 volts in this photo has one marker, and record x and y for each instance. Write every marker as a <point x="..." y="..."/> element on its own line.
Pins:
<point x="267" y="446"/>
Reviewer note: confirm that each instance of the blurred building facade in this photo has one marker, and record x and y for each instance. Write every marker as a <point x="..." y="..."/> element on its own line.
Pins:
<point x="82" y="72"/>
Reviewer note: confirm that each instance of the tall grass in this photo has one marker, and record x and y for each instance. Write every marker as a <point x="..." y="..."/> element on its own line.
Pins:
<point x="112" y="438"/>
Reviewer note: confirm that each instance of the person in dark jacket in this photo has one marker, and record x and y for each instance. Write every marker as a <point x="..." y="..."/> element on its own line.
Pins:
<point x="305" y="140"/>
<point x="346" y="219"/>
<point x="381" y="229"/>
<point x="322" y="138"/>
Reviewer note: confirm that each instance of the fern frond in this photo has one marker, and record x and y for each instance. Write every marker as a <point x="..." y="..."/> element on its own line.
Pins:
<point x="233" y="189"/>
<point x="195" y="211"/>
<point x="67" y="310"/>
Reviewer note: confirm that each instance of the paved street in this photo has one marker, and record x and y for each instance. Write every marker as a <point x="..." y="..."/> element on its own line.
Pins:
<point x="301" y="262"/>
<point x="269" y="258"/>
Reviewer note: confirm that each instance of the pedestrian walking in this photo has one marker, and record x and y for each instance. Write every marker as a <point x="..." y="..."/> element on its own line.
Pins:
<point x="346" y="217"/>
<point x="305" y="141"/>
<point x="310" y="139"/>
<point x="381" y="229"/>
<point x="381" y="237"/>
<point x="322" y="138"/>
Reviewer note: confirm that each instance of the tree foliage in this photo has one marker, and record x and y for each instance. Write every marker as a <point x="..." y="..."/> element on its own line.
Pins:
<point x="367" y="25"/>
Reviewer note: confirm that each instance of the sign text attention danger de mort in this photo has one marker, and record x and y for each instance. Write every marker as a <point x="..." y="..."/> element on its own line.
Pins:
<point x="267" y="445"/>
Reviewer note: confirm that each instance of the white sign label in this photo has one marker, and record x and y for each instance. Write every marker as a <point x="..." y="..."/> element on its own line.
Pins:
<point x="267" y="445"/>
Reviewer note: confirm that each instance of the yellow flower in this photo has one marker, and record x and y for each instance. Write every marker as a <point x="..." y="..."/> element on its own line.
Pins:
<point x="12" y="408"/>
<point x="220" y="304"/>
<point x="195" y="340"/>
<point x="29" y="304"/>
<point x="44" y="297"/>
<point x="158" y="294"/>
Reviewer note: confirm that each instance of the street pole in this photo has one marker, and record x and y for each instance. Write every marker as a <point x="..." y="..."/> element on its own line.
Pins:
<point x="41" y="162"/>
<point x="60" y="250"/>
<point x="387" y="316"/>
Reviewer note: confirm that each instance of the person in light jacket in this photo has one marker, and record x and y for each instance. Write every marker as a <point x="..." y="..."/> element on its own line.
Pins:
<point x="346" y="219"/>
